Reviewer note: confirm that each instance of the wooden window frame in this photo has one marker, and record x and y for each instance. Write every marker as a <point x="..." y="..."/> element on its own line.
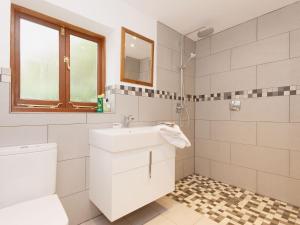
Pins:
<point x="63" y="104"/>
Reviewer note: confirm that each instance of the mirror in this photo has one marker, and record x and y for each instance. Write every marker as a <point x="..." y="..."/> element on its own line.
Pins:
<point x="137" y="54"/>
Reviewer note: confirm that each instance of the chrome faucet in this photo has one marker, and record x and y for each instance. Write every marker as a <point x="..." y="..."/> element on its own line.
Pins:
<point x="127" y="120"/>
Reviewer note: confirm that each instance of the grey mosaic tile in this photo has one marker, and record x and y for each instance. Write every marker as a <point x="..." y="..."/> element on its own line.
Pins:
<point x="226" y="204"/>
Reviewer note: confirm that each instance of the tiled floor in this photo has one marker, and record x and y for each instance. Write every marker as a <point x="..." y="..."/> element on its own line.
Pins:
<point x="200" y="200"/>
<point x="226" y="204"/>
<point x="165" y="211"/>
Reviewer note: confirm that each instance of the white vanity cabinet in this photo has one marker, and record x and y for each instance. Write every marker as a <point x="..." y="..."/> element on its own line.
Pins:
<point x="125" y="180"/>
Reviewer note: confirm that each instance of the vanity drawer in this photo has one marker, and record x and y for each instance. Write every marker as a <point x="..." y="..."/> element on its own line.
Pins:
<point x="125" y="161"/>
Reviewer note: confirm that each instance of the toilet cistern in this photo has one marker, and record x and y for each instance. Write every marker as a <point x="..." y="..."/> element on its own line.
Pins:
<point x="27" y="190"/>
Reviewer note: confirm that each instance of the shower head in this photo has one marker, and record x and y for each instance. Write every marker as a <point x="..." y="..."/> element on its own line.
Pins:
<point x="192" y="55"/>
<point x="205" y="32"/>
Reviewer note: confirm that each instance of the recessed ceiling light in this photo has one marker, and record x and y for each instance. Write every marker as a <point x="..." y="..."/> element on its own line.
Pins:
<point x="132" y="45"/>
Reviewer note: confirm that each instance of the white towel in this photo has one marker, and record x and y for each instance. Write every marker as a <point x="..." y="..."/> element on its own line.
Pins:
<point x="174" y="136"/>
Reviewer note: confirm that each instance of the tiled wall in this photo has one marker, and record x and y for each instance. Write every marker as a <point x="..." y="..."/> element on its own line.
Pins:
<point x="257" y="148"/>
<point x="70" y="131"/>
<point x="168" y="60"/>
<point x="168" y="78"/>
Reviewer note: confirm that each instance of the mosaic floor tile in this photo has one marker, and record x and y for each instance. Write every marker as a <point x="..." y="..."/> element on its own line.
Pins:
<point x="230" y="205"/>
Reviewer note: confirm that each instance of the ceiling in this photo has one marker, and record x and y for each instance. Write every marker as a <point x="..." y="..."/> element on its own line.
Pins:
<point x="188" y="15"/>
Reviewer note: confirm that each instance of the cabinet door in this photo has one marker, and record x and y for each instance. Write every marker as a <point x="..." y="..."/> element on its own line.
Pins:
<point x="136" y="188"/>
<point x="162" y="178"/>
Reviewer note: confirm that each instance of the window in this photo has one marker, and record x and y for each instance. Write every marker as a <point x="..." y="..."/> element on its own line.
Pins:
<point x="55" y="66"/>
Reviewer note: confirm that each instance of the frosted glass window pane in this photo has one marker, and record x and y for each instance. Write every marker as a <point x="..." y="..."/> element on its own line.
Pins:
<point x="83" y="76"/>
<point x="39" y="65"/>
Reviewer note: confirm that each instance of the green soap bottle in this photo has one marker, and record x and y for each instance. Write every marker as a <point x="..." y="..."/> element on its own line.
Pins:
<point x="100" y="103"/>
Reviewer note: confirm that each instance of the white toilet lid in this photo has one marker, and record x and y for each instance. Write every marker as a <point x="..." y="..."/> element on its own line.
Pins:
<point x="46" y="211"/>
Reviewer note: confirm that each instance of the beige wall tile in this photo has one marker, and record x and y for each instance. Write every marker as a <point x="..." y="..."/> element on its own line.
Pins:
<point x="164" y="57"/>
<point x="295" y="43"/>
<point x="36" y="119"/>
<point x="279" y="21"/>
<point x="202" y="166"/>
<point x="295" y="108"/>
<point x="155" y="109"/>
<point x="203" y="47"/>
<point x="202" y="129"/>
<point x="188" y="128"/>
<point x="104" y="117"/>
<point x="191" y="109"/>
<point x="274" y="109"/>
<point x="168" y="37"/>
<point x="235" y="175"/>
<point x="179" y="169"/>
<point x="189" y="45"/>
<point x="263" y="51"/>
<point x="212" y="110"/>
<point x="261" y="158"/>
<point x="186" y="153"/>
<point x="295" y="164"/>
<point x="188" y="166"/>
<point x="25" y="135"/>
<point x="87" y="172"/>
<point x="70" y="176"/>
<point x="279" y="187"/>
<point x="168" y="80"/>
<point x="215" y="150"/>
<point x="232" y="131"/>
<point x="127" y="105"/>
<point x="72" y="140"/>
<point x="189" y="84"/>
<point x="235" y="80"/>
<point x="79" y="208"/>
<point x="202" y="85"/>
<point x="279" y="74"/>
<point x="175" y="61"/>
<point x="191" y="66"/>
<point x="279" y="135"/>
<point x="235" y="36"/>
<point x="219" y="62"/>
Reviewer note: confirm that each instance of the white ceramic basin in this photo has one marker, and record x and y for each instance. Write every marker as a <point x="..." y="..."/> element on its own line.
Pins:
<point x="122" y="139"/>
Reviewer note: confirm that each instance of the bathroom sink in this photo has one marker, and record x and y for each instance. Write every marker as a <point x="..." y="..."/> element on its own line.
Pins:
<point x="122" y="139"/>
<point x="128" y="169"/>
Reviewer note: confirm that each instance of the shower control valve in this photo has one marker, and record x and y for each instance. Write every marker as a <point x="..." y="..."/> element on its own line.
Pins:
<point x="235" y="105"/>
<point x="179" y="107"/>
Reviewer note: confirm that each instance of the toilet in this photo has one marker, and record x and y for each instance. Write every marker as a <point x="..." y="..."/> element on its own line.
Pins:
<point x="27" y="186"/>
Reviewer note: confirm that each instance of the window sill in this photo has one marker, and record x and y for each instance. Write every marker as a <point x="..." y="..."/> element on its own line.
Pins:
<point x="53" y="110"/>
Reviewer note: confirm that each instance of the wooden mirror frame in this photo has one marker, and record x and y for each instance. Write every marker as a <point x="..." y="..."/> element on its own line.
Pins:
<point x="123" y="49"/>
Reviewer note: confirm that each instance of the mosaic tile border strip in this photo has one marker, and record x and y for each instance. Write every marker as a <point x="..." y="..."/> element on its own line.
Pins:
<point x="254" y="93"/>
<point x="243" y="94"/>
<point x="230" y="205"/>
<point x="145" y="92"/>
